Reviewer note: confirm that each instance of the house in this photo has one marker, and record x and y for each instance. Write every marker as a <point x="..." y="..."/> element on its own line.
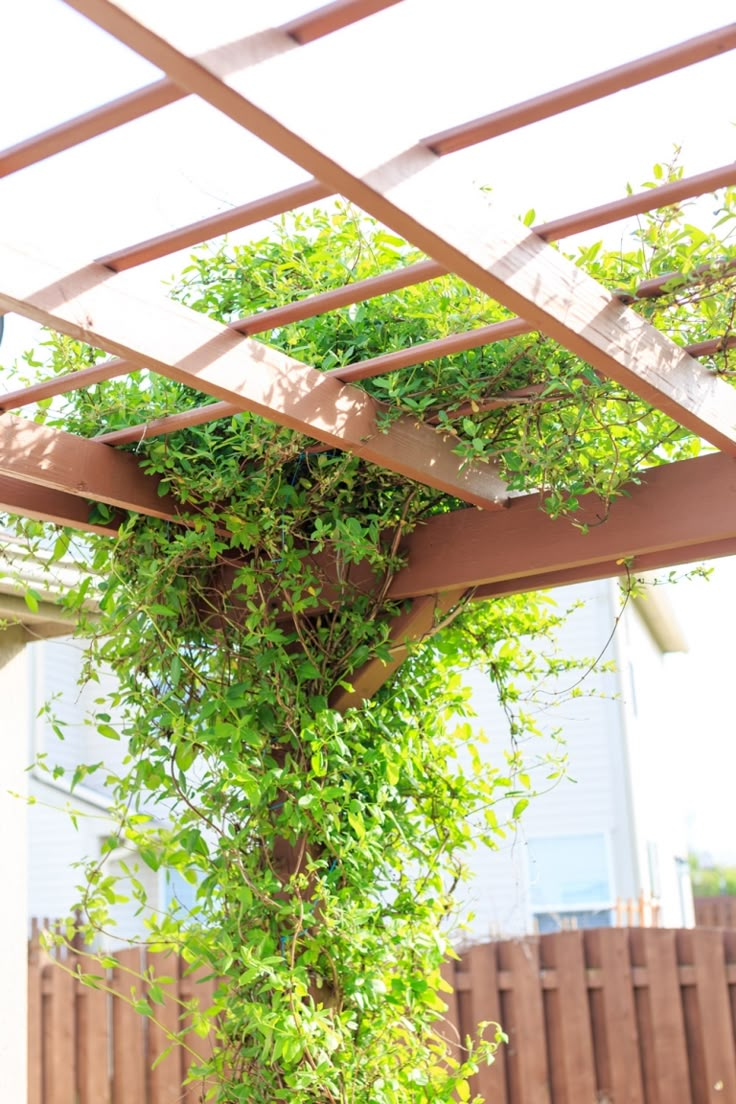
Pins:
<point x="609" y="830"/>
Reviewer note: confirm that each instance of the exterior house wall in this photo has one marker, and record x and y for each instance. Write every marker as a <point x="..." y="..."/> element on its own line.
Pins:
<point x="592" y="837"/>
<point x="648" y="700"/>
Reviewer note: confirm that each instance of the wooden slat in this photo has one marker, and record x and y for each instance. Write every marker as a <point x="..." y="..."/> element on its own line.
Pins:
<point x="128" y="1050"/>
<point x="585" y="91"/>
<point x="161" y="93"/>
<point x="572" y="1067"/>
<point x="92" y="123"/>
<point x="613" y="1012"/>
<point x="59" y="1029"/>
<point x="194" y="350"/>
<point x="165" y="1077"/>
<point x="93" y="1042"/>
<point x="483" y="1003"/>
<point x="222" y="223"/>
<point x="660" y="1017"/>
<point x="523" y="1020"/>
<point x="711" y="1015"/>
<point x="409" y="193"/>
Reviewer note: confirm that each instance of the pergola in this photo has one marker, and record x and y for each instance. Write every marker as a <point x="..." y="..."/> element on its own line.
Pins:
<point x="677" y="513"/>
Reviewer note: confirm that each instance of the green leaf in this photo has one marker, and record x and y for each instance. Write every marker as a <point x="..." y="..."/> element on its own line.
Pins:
<point x="108" y="732"/>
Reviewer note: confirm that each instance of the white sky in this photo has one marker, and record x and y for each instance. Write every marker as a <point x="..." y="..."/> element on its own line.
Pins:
<point x="422" y="66"/>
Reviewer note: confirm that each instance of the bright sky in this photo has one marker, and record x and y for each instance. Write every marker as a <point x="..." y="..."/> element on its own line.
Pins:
<point x="464" y="59"/>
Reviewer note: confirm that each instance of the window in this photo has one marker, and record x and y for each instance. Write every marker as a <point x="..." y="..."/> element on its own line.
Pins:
<point x="569" y="874"/>
<point x="567" y="921"/>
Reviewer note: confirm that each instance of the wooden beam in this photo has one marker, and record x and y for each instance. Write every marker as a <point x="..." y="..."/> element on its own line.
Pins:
<point x="72" y="466"/>
<point x="676" y="512"/>
<point x="409" y="192"/>
<point x="408" y="628"/>
<point x="177" y="342"/>
<point x="41" y="504"/>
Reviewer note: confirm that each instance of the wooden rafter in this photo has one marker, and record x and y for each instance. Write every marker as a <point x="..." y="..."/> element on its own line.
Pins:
<point x="194" y="350"/>
<point x="499" y="256"/>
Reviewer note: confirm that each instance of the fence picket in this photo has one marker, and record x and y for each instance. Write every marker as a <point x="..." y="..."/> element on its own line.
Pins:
<point x="661" y="1022"/>
<point x="523" y="1018"/>
<point x="35" y="1027"/>
<point x="58" y="1035"/>
<point x="93" y="1041"/>
<point x="128" y="1051"/>
<point x="165" y="1075"/>
<point x="709" y="1011"/>
<point x="482" y="1002"/>
<point x="613" y="1016"/>
<point x="567" y="1014"/>
<point x="196" y="1048"/>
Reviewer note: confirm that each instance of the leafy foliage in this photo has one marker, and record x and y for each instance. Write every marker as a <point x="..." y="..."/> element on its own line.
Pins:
<point x="324" y="847"/>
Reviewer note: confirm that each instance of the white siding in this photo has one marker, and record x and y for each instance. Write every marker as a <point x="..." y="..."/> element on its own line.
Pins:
<point x="615" y="762"/>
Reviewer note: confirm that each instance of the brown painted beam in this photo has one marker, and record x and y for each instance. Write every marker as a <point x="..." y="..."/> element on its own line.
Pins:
<point x="31" y="500"/>
<point x="407" y="192"/>
<point x="676" y="511"/>
<point x="51" y="460"/>
<point x="408" y="629"/>
<point x="174" y="341"/>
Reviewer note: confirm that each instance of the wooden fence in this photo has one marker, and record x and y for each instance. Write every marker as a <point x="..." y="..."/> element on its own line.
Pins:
<point x="605" y="1016"/>
<point x="87" y="1046"/>
<point x="715" y="912"/>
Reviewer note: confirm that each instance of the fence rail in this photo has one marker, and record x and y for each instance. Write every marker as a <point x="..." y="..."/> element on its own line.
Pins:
<point x="605" y="1016"/>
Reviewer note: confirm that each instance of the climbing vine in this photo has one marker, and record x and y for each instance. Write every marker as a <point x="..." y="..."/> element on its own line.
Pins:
<point x="324" y="846"/>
